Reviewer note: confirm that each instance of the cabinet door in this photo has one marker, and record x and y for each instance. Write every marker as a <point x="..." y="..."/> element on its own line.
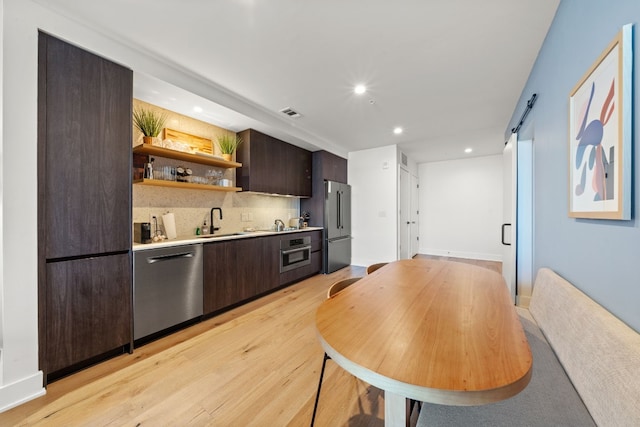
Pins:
<point x="298" y="171"/>
<point x="250" y="264"/>
<point x="219" y="276"/>
<point x="89" y="309"/>
<point x="85" y="138"/>
<point x="254" y="154"/>
<point x="271" y="279"/>
<point x="334" y="168"/>
<point x="238" y="270"/>
<point x="267" y="161"/>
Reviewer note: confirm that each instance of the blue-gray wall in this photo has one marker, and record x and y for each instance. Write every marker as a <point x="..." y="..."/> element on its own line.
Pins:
<point x="601" y="257"/>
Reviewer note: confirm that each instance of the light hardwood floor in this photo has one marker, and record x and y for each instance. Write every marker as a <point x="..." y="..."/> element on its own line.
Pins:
<point x="491" y="265"/>
<point x="257" y="365"/>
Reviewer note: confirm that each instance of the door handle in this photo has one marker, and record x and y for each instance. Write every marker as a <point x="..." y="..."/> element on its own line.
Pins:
<point x="502" y="238"/>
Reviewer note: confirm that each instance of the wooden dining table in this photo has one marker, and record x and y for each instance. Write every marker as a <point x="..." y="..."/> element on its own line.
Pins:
<point x="434" y="331"/>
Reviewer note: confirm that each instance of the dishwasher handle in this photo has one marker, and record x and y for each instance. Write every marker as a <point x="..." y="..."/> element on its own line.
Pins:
<point x="151" y="260"/>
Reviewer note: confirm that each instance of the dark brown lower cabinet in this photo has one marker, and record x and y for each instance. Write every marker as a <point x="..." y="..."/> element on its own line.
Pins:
<point x="219" y="276"/>
<point x="239" y="270"/>
<point x="249" y="266"/>
<point x="88" y="309"/>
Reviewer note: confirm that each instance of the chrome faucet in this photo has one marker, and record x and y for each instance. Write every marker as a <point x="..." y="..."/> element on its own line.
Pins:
<point x="279" y="225"/>
<point x="214" y="229"/>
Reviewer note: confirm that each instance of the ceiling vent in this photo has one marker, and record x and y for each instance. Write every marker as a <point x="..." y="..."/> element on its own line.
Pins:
<point x="289" y="112"/>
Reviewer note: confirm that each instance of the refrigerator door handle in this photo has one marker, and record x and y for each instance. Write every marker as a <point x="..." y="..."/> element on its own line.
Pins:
<point x="338" y="214"/>
<point x="341" y="213"/>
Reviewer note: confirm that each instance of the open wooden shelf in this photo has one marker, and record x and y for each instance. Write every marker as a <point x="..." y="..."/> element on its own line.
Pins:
<point x="153" y="150"/>
<point x="184" y="185"/>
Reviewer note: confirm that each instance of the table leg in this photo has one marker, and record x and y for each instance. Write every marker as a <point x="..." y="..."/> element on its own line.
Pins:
<point x="396" y="410"/>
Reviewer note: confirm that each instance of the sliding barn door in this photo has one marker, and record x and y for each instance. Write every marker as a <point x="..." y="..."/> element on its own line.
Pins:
<point x="509" y="203"/>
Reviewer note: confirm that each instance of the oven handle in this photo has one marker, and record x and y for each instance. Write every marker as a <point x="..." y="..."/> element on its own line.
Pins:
<point x="290" y="251"/>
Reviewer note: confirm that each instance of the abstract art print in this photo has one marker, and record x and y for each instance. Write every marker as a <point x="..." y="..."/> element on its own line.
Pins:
<point x="600" y="135"/>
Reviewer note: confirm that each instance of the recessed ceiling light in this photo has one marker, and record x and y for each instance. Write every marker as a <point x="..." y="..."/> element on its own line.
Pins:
<point x="360" y="89"/>
<point x="468" y="150"/>
<point x="197" y="109"/>
<point x="397" y="130"/>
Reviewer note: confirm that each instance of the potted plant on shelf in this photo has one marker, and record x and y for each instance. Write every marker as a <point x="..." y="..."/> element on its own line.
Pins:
<point x="149" y="122"/>
<point x="228" y="145"/>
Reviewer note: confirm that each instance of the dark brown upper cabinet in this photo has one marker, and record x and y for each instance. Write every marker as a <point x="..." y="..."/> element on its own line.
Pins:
<point x="272" y="166"/>
<point x="329" y="167"/>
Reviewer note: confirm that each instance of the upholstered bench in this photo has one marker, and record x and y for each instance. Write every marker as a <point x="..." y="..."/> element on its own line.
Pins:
<point x="586" y="367"/>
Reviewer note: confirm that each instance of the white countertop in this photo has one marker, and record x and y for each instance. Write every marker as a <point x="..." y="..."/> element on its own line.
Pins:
<point x="189" y="240"/>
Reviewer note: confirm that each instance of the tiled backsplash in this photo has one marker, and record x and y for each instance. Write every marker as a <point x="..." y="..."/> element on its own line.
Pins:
<point x="191" y="207"/>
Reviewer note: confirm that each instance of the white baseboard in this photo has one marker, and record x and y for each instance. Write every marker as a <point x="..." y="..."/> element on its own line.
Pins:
<point x="19" y="392"/>
<point x="462" y="254"/>
<point x="363" y="262"/>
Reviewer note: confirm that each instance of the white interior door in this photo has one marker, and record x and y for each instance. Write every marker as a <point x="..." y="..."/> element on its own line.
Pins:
<point x="404" y="222"/>
<point x="508" y="232"/>
<point x="414" y="228"/>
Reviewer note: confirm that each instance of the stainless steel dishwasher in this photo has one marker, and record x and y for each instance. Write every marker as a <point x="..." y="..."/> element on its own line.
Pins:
<point x="167" y="288"/>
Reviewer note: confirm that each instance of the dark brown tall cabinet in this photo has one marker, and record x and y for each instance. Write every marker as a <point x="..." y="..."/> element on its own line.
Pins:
<point x="84" y="212"/>
<point x="326" y="167"/>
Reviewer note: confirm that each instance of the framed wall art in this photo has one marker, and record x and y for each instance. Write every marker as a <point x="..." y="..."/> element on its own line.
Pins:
<point x="600" y="120"/>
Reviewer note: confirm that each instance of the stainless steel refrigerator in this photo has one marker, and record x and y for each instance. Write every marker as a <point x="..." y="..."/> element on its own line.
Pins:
<point x="337" y="226"/>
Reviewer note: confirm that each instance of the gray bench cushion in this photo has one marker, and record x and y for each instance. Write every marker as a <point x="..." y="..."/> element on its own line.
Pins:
<point x="549" y="400"/>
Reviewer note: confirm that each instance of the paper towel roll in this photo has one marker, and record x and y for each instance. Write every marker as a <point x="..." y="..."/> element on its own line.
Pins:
<point x="169" y="221"/>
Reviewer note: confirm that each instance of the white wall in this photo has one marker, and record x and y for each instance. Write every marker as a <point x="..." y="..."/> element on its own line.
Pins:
<point x="372" y="175"/>
<point x="461" y="208"/>
<point x="21" y="379"/>
<point x="1" y="181"/>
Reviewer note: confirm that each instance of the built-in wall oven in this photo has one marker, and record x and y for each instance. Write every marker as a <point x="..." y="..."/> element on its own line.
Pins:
<point x="295" y="252"/>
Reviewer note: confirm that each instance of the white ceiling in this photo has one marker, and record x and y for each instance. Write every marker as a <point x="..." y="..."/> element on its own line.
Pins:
<point x="448" y="71"/>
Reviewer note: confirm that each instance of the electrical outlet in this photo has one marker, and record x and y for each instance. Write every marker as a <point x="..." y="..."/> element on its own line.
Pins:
<point x="250" y="216"/>
<point x="244" y="217"/>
